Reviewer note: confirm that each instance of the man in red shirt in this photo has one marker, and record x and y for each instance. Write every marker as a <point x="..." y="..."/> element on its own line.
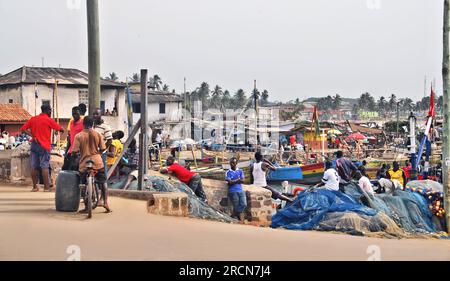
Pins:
<point x="75" y="127"/>
<point x="407" y="169"/>
<point x="40" y="129"/>
<point x="191" y="179"/>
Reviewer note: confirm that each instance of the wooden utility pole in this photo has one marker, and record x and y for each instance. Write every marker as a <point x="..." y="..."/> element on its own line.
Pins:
<point x="93" y="54"/>
<point x="446" y="143"/>
<point x="143" y="139"/>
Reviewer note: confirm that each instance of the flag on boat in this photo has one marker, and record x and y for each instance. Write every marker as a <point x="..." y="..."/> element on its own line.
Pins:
<point x="315" y="122"/>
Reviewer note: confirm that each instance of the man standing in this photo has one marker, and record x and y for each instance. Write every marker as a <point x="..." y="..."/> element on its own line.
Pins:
<point x="344" y="167"/>
<point x="259" y="177"/>
<point x="40" y="128"/>
<point x="104" y="130"/>
<point x="193" y="180"/>
<point x="235" y="178"/>
<point x="89" y="145"/>
<point x="407" y="169"/>
<point x="75" y="127"/>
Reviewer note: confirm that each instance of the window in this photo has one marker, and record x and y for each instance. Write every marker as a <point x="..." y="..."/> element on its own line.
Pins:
<point x="11" y="101"/>
<point x="46" y="102"/>
<point x="137" y="107"/>
<point x="102" y="106"/>
<point x="83" y="97"/>
<point x="162" y="108"/>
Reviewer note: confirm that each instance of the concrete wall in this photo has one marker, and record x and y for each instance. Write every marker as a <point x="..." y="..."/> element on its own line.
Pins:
<point x="11" y="92"/>
<point x="5" y="165"/>
<point x="173" y="113"/>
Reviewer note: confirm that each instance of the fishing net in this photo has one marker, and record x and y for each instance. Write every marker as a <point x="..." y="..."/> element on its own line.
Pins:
<point x="197" y="208"/>
<point x="403" y="214"/>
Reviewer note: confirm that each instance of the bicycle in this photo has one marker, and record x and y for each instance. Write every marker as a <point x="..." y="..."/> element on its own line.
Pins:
<point x="91" y="192"/>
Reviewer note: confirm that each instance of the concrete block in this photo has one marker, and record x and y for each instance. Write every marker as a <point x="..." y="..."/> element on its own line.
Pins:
<point x="169" y="204"/>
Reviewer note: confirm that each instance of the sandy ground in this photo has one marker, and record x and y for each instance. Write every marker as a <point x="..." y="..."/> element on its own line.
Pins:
<point x="30" y="229"/>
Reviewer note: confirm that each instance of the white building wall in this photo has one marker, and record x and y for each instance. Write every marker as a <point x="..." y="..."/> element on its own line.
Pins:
<point x="173" y="113"/>
<point x="67" y="98"/>
<point x="11" y="93"/>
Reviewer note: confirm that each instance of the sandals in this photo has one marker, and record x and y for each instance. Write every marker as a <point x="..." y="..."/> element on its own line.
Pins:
<point x="36" y="189"/>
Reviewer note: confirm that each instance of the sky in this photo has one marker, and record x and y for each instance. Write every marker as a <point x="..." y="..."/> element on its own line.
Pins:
<point x="293" y="48"/>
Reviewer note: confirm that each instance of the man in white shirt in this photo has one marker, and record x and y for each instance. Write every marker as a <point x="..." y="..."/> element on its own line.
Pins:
<point x="331" y="178"/>
<point x="364" y="183"/>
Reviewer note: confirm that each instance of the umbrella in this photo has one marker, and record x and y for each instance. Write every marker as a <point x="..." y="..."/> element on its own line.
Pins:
<point x="334" y="132"/>
<point x="357" y="136"/>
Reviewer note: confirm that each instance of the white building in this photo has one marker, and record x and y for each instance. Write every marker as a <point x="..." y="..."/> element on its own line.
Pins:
<point x="165" y="110"/>
<point x="32" y="87"/>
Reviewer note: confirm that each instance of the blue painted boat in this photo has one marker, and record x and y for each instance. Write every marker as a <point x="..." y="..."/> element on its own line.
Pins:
<point x="286" y="174"/>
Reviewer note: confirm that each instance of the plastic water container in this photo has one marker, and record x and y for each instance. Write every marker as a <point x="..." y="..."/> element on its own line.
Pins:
<point x="67" y="197"/>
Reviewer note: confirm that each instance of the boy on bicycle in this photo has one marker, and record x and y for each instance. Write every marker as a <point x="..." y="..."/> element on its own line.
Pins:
<point x="89" y="146"/>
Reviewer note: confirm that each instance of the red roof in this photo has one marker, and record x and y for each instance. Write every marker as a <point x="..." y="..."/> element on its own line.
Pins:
<point x="13" y="113"/>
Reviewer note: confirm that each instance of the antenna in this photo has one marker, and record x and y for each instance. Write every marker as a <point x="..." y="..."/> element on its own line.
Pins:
<point x="42" y="61"/>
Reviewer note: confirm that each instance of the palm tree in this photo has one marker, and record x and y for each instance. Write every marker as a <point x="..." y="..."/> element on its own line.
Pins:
<point x="265" y="97"/>
<point x="337" y="101"/>
<point x="166" y="88"/>
<point x="156" y="82"/>
<point x="255" y="97"/>
<point x="216" y="97"/>
<point x="239" y="99"/>
<point x="407" y="104"/>
<point x="113" y="77"/>
<point x="226" y="100"/>
<point x="393" y="102"/>
<point x="136" y="78"/>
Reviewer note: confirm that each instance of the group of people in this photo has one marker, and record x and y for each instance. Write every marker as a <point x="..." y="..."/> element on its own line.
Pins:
<point x="8" y="141"/>
<point x="89" y="139"/>
<point x="344" y="171"/>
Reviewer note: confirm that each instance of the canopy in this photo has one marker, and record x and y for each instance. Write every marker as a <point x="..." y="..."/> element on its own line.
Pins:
<point x="357" y="136"/>
<point x="334" y="132"/>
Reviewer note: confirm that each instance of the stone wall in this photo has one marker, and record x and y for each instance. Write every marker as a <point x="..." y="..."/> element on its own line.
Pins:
<point x="15" y="166"/>
<point x="5" y="165"/>
<point x="259" y="201"/>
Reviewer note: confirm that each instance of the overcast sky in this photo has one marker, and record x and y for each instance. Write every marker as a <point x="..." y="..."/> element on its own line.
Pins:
<point x="294" y="48"/>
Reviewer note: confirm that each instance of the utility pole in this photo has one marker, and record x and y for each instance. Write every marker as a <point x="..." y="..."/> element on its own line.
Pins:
<point x="398" y="118"/>
<point x="446" y="142"/>
<point x="93" y="54"/>
<point x="143" y="139"/>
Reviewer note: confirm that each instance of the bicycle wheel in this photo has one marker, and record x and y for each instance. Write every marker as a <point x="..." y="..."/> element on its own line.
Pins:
<point x="88" y="198"/>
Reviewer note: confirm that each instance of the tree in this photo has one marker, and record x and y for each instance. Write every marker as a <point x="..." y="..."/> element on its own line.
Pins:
<point x="136" y="78"/>
<point x="265" y="97"/>
<point x="239" y="99"/>
<point x="112" y="77"/>
<point x="216" y="97"/>
<point x="202" y="94"/>
<point x="255" y="96"/>
<point x="226" y="100"/>
<point x="407" y="104"/>
<point x="337" y="101"/>
<point x="382" y="104"/>
<point x="166" y="88"/>
<point x="367" y="102"/>
<point x="156" y="82"/>
<point x="393" y="102"/>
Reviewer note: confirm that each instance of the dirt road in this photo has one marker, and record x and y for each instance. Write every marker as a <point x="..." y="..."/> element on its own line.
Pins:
<point x="32" y="230"/>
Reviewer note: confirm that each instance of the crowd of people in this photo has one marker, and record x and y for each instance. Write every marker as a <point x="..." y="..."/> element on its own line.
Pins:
<point x="9" y="141"/>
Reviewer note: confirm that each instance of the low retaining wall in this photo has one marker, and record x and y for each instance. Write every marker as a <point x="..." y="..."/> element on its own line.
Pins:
<point x="158" y="203"/>
<point x="15" y="167"/>
<point x="259" y="201"/>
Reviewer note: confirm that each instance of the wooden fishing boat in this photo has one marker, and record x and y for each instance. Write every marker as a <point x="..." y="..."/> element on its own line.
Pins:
<point x="306" y="174"/>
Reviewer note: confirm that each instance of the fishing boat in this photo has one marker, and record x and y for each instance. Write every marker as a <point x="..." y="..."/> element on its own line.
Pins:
<point x="306" y="174"/>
